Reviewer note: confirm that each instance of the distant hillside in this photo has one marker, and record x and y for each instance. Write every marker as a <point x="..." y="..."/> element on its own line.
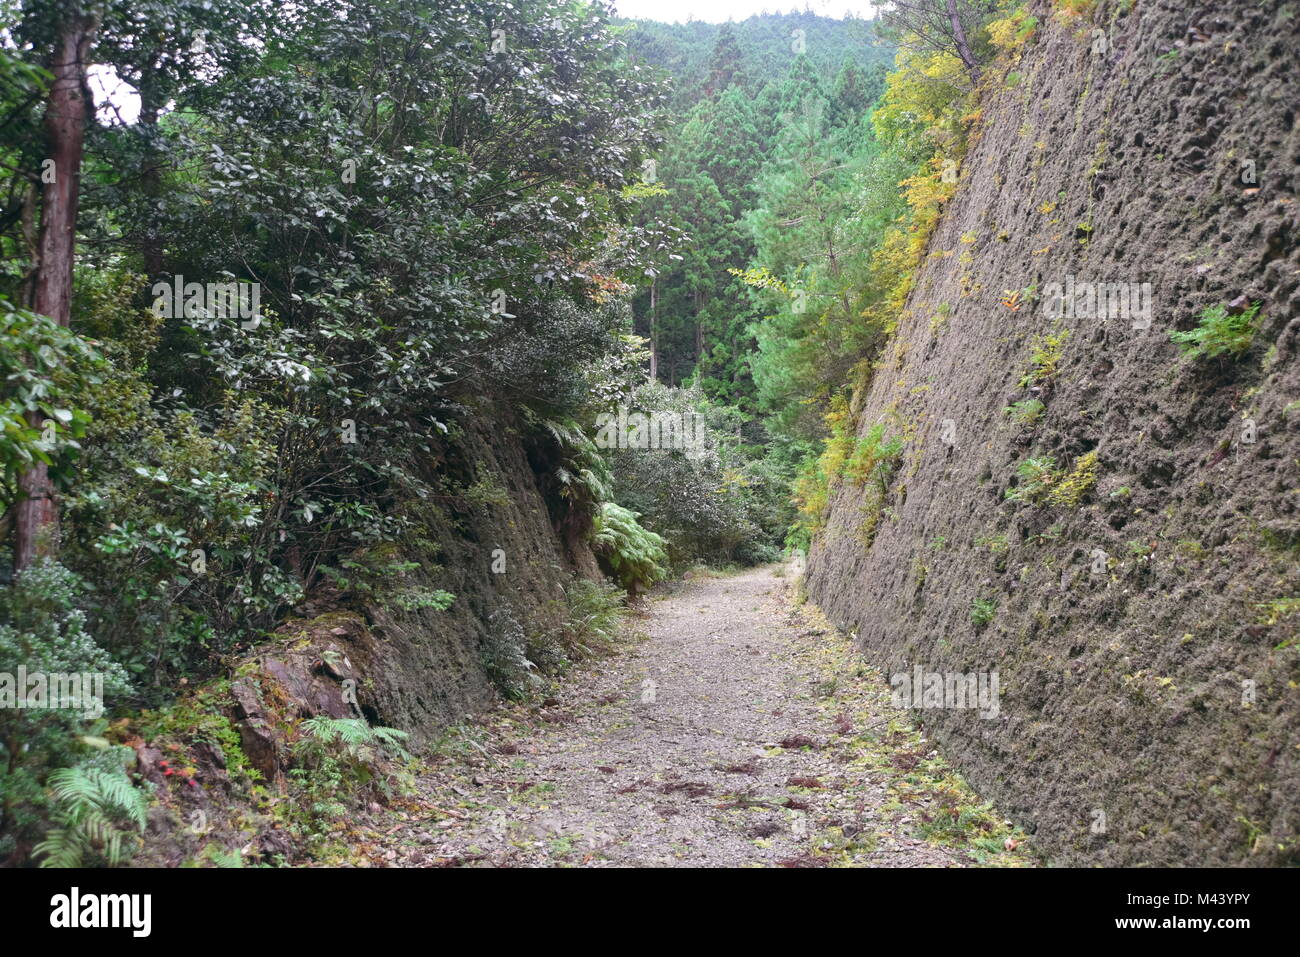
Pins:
<point x="766" y="44"/>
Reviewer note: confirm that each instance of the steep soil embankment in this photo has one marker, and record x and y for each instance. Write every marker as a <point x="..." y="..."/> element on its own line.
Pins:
<point x="487" y="537"/>
<point x="490" y="540"/>
<point x="1132" y="619"/>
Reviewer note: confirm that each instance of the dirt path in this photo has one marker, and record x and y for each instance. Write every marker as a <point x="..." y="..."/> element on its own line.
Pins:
<point x="739" y="731"/>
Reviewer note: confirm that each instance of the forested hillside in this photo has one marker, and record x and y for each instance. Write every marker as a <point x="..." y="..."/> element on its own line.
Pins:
<point x="376" y="372"/>
<point x="767" y="133"/>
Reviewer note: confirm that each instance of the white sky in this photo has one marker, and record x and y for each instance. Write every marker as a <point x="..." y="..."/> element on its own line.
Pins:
<point x="717" y="11"/>
<point x="116" y="100"/>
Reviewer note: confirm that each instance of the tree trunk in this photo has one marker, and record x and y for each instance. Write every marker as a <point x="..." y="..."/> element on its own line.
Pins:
<point x="699" y="326"/>
<point x="65" y="126"/>
<point x="654" y="345"/>
<point x="963" y="48"/>
<point x="151" y="176"/>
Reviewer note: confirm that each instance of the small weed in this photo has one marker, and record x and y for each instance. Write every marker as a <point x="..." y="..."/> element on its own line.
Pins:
<point x="1271" y="612"/>
<point x="561" y="847"/>
<point x="982" y="611"/>
<point x="1141" y="550"/>
<point x="1045" y="356"/>
<point x="994" y="543"/>
<point x="1024" y="412"/>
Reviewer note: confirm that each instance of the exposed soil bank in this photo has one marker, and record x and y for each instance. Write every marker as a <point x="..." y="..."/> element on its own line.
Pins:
<point x="1145" y="630"/>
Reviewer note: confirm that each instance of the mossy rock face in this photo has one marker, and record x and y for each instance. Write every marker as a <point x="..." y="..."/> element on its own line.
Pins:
<point x="1192" y="760"/>
<point x="316" y="671"/>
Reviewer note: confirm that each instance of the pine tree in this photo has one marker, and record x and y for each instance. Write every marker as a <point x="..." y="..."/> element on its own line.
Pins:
<point x="725" y="64"/>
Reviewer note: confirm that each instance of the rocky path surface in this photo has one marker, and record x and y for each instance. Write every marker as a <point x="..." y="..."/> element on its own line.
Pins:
<point x="737" y="730"/>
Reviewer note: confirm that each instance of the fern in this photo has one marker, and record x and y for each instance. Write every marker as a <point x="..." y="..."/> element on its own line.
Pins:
<point x="594" y="610"/>
<point x="1217" y="332"/>
<point x="338" y="765"/>
<point x="1024" y="412"/>
<point x="1037" y="477"/>
<point x="351" y="738"/>
<point x="635" y="555"/>
<point x="1047" y="351"/>
<point x="223" y="859"/>
<point x="392" y="739"/>
<point x="94" y="809"/>
<point x="580" y="473"/>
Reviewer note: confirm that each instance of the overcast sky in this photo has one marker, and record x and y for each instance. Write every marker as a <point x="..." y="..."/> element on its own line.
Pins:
<point x="716" y="11"/>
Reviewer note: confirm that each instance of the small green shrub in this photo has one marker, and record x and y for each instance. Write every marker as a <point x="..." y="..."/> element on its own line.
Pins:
<point x="874" y="458"/>
<point x="994" y="543"/>
<point x="594" y="610"/>
<point x="1218" y="333"/>
<point x="1046" y="352"/>
<point x="872" y="465"/>
<point x="388" y="580"/>
<point x="1024" y="412"/>
<point x="590" y="613"/>
<point x="351" y="740"/>
<point x="505" y="656"/>
<point x="43" y="631"/>
<point x="338" y="760"/>
<point x="1140" y="550"/>
<point x="417" y="596"/>
<point x="982" y="611"/>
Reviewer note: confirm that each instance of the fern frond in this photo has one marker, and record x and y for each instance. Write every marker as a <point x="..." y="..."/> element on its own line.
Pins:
<point x="62" y="847"/>
<point x="223" y="859"/>
<point x="90" y="804"/>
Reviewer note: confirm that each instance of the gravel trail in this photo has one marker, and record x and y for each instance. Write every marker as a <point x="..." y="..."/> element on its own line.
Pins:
<point x="740" y="730"/>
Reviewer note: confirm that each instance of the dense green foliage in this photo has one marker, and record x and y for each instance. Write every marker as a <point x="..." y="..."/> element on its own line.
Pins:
<point x="428" y="211"/>
<point x="808" y="179"/>
<point x="96" y="812"/>
<point x="738" y="93"/>
<point x="43" y="632"/>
